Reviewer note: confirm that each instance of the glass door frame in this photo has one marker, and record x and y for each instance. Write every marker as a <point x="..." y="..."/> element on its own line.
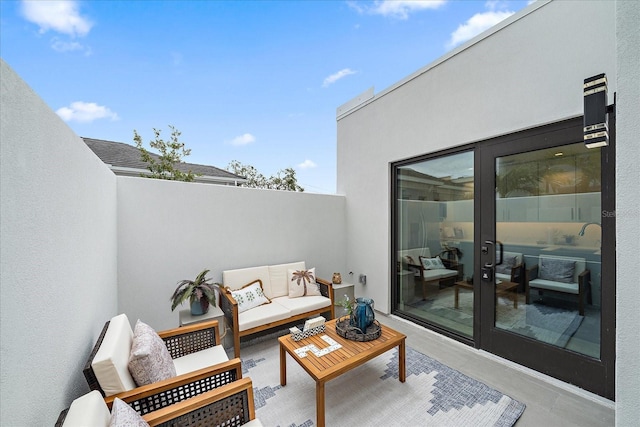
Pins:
<point x="596" y="375"/>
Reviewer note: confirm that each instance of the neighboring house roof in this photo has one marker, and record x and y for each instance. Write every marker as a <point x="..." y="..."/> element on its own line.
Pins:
<point x="124" y="159"/>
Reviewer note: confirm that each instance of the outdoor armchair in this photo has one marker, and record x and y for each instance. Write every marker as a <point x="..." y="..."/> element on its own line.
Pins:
<point x="201" y="364"/>
<point x="229" y="405"/>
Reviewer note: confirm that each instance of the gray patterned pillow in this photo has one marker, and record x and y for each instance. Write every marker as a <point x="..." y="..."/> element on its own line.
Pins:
<point x="557" y="270"/>
<point x="124" y="415"/>
<point x="508" y="262"/>
<point x="149" y="360"/>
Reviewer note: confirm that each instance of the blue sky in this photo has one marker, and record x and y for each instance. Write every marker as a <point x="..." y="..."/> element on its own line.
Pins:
<point x="253" y="81"/>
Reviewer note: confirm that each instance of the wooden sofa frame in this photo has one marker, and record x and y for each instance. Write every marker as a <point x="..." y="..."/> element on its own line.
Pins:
<point x="180" y="341"/>
<point x="229" y="307"/>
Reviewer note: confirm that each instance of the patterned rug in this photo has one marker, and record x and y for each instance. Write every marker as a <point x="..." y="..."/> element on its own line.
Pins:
<point x="371" y="395"/>
<point x="545" y="323"/>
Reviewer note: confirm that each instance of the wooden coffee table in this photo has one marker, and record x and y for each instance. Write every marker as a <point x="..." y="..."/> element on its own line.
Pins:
<point x="502" y="288"/>
<point x="331" y="365"/>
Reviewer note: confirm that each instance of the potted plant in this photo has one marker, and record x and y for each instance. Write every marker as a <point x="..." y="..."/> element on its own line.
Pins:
<point x="200" y="292"/>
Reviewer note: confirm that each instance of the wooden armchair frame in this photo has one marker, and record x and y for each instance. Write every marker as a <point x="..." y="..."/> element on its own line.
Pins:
<point x="229" y="405"/>
<point x="180" y="341"/>
<point x="229" y="307"/>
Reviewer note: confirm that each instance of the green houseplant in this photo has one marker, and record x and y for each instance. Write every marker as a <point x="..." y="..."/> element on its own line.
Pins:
<point x="200" y="292"/>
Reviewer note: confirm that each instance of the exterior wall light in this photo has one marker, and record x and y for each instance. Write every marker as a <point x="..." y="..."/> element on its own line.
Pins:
<point x="596" y="131"/>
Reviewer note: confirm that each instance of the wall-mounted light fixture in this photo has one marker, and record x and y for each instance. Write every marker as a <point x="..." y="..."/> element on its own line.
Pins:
<point x="596" y="131"/>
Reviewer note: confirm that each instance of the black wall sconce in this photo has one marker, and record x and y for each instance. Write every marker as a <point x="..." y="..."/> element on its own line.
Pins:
<point x="596" y="131"/>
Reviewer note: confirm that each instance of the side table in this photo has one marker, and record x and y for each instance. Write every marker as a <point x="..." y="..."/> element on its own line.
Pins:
<point x="339" y="292"/>
<point x="214" y="313"/>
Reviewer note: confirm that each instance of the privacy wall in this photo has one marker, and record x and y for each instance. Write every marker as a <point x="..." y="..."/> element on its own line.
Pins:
<point x="169" y="231"/>
<point x="58" y="256"/>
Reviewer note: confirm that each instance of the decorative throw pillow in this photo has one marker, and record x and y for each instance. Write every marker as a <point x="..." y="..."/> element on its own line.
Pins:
<point x="432" y="263"/>
<point x="124" y="415"/>
<point x="302" y="283"/>
<point x="557" y="270"/>
<point x="149" y="360"/>
<point x="409" y="260"/>
<point x="250" y="296"/>
<point x="508" y="262"/>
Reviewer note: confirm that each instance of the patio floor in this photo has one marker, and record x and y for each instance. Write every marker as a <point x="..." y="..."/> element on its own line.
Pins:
<point x="550" y="402"/>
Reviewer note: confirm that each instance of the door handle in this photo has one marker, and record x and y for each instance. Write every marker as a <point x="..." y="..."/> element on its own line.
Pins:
<point x="485" y="249"/>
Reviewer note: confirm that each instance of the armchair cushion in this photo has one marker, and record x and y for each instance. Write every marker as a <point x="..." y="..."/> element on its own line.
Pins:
<point x="250" y="296"/>
<point x="110" y="364"/>
<point x="88" y="410"/>
<point x="123" y="415"/>
<point x="200" y="359"/>
<point x="557" y="270"/>
<point x="150" y="360"/>
<point x="302" y="283"/>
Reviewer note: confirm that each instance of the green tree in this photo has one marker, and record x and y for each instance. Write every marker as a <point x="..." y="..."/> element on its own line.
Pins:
<point x="285" y="179"/>
<point x="165" y="166"/>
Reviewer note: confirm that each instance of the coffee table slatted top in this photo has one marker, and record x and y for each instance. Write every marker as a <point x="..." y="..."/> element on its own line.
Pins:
<point x="343" y="359"/>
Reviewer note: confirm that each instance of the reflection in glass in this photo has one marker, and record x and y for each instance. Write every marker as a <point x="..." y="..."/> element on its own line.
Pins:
<point x="547" y="215"/>
<point x="435" y="241"/>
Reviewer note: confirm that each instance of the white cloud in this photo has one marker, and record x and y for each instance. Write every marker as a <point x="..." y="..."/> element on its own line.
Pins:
<point x="307" y="164"/>
<point x="475" y="25"/>
<point x="337" y="76"/>
<point x="399" y="9"/>
<point x="243" y="139"/>
<point x="60" y="16"/>
<point x="85" y="112"/>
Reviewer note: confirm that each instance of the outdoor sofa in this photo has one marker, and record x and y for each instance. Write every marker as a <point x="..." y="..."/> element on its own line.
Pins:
<point x="255" y="299"/>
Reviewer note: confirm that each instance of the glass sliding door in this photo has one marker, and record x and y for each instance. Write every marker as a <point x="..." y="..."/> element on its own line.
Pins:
<point x="434" y="211"/>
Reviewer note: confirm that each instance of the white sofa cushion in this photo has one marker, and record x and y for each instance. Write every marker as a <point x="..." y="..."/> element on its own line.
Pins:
<point x="262" y="315"/>
<point x="302" y="305"/>
<point x="236" y="279"/>
<point x="199" y="360"/>
<point x="110" y="364"/>
<point x="88" y="410"/>
<point x="279" y="278"/>
<point x="253" y="423"/>
<point x="430" y="275"/>
<point x="301" y="284"/>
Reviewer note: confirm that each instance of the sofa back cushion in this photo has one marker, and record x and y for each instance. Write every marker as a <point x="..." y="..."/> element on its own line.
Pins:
<point x="237" y="279"/>
<point x="110" y="364"/>
<point x="280" y="279"/>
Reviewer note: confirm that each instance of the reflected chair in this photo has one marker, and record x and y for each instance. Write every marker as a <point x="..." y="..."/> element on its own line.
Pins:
<point x="558" y="274"/>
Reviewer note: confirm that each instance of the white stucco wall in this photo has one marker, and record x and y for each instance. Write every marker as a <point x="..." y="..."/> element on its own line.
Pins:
<point x="527" y="71"/>
<point x="57" y="256"/>
<point x="171" y="231"/>
<point x="628" y="209"/>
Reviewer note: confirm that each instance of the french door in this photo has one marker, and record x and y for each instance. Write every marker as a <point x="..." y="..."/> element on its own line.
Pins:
<point x="519" y="224"/>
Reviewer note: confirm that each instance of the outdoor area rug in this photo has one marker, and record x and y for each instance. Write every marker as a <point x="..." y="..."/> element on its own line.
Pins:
<point x="371" y="395"/>
<point x="548" y="324"/>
